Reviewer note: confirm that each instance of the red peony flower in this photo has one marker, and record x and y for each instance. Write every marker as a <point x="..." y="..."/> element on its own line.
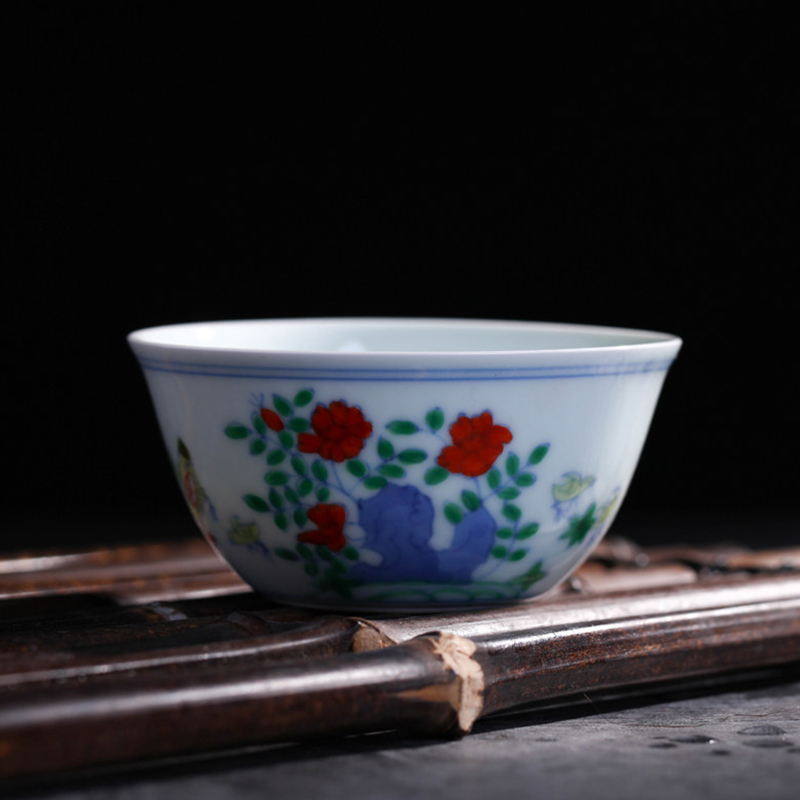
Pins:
<point x="329" y="519"/>
<point x="271" y="419"/>
<point x="339" y="432"/>
<point x="477" y="444"/>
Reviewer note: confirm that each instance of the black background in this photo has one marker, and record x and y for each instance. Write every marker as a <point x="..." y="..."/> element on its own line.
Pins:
<point x="172" y="163"/>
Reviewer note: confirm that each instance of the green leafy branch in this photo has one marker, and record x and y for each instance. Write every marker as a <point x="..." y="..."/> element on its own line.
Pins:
<point x="506" y="487"/>
<point x="293" y="484"/>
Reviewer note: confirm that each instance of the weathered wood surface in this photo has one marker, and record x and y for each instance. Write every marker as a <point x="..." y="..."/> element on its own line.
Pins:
<point x="113" y="656"/>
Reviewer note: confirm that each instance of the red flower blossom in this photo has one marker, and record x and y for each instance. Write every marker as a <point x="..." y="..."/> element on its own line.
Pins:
<point x="477" y="444"/>
<point x="271" y="419"/>
<point x="329" y="519"/>
<point x="339" y="432"/>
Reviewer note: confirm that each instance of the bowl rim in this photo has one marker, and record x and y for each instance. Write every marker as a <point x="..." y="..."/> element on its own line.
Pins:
<point x="153" y="339"/>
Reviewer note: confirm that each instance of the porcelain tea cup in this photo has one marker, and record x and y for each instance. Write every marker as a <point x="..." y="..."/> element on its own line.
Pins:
<point x="403" y="464"/>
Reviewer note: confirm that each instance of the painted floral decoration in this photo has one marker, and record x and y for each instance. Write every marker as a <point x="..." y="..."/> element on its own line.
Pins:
<point x="477" y="444"/>
<point x="271" y="419"/>
<point x="339" y="432"/>
<point x="335" y="489"/>
<point x="329" y="519"/>
<point x="193" y="491"/>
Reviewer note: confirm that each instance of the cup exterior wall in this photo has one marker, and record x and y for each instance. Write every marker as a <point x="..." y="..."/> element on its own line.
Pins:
<point x="450" y="486"/>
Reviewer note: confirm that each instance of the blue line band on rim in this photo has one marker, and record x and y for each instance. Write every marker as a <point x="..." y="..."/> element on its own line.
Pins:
<point x="406" y="374"/>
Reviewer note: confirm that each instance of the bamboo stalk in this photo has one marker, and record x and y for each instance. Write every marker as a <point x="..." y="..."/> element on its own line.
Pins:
<point x="200" y="705"/>
<point x="187" y="555"/>
<point x="539" y="664"/>
<point x="202" y="709"/>
<point x="314" y="638"/>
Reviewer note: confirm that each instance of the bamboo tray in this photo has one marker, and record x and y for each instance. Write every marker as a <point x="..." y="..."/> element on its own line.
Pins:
<point x="115" y="656"/>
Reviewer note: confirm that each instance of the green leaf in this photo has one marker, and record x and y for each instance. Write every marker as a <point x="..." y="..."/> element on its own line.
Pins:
<point x="356" y="467"/>
<point x="323" y="493"/>
<point x="305" y="551"/>
<point x="291" y="495"/>
<point x="498" y="551"/>
<point x="350" y="553"/>
<point x="237" y="431"/>
<point x="282" y="405"/>
<point x="385" y="448"/>
<point x="538" y="454"/>
<point x="402" y="427"/>
<point x="276" y="477"/>
<point x="298" y="465"/>
<point x="275" y="498"/>
<point x="526" y="531"/>
<point x="579" y="526"/>
<point x="512" y="464"/>
<point x="512" y="512"/>
<point x="453" y="513"/>
<point x="257" y="447"/>
<point x="411" y="456"/>
<point x="311" y="569"/>
<point x="303" y="398"/>
<point x="298" y="424"/>
<point x="323" y="552"/>
<point x="391" y="470"/>
<point x="435" y="419"/>
<point x="281" y="520"/>
<point x="286" y="439"/>
<point x="289" y="555"/>
<point x="509" y="493"/>
<point x="436" y="475"/>
<point x="525" y="479"/>
<point x="375" y="482"/>
<point x="517" y="555"/>
<point x="259" y="424"/>
<point x="331" y="581"/>
<point x="305" y="487"/>
<point x="493" y="478"/>
<point x="320" y="471"/>
<point x="534" y="574"/>
<point x="300" y="517"/>
<point x="470" y="500"/>
<point x="256" y="503"/>
<point x="276" y="457"/>
<point x="505" y="533"/>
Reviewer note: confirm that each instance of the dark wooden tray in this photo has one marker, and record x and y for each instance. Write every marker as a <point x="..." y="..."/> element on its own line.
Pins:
<point x="113" y="656"/>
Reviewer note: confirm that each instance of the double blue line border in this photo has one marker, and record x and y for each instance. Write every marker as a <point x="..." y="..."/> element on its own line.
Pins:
<point x="405" y="375"/>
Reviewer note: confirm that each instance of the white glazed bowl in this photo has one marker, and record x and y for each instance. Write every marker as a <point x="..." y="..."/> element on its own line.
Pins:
<point x="413" y="464"/>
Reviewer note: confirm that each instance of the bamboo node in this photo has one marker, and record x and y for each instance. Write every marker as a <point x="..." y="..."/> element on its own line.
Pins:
<point x="456" y="653"/>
